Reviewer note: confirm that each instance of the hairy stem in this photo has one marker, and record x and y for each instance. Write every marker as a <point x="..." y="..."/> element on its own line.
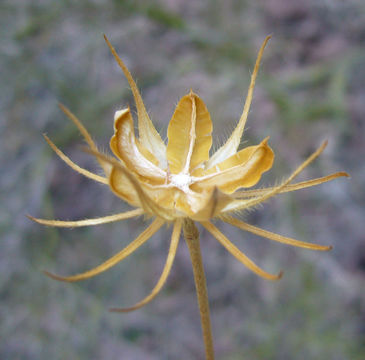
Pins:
<point x="191" y="235"/>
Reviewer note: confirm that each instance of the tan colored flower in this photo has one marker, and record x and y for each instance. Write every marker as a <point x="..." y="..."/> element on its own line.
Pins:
<point x="178" y="181"/>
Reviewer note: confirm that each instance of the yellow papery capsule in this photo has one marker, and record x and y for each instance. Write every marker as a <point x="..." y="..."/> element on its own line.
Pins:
<point x="182" y="183"/>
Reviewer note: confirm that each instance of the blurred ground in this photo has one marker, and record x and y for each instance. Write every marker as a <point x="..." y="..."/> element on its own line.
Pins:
<point x="311" y="87"/>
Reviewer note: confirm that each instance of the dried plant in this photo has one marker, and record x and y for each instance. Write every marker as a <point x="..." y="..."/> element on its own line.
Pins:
<point x="180" y="183"/>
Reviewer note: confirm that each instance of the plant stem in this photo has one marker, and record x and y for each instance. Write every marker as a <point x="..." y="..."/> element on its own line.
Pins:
<point x="191" y="235"/>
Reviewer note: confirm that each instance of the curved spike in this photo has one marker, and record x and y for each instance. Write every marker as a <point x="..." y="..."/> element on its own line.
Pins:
<point x="74" y="166"/>
<point x="79" y="125"/>
<point x="238" y="254"/>
<point x="231" y="146"/>
<point x="165" y="273"/>
<point x="82" y="130"/>
<point x="129" y="249"/>
<point x="291" y="187"/>
<point x="272" y="236"/>
<point x="88" y="222"/>
<point x="148" y="134"/>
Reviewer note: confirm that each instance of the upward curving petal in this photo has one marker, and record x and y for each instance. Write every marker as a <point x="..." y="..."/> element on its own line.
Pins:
<point x="125" y="145"/>
<point x="189" y="135"/>
<point x="243" y="169"/>
<point x="231" y="146"/>
<point x="244" y="204"/>
<point x="147" y="132"/>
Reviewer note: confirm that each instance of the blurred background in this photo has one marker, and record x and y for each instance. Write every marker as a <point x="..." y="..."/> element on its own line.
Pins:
<point x="311" y="87"/>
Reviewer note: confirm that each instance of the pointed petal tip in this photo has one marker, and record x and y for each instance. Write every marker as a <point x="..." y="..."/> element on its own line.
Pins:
<point x="321" y="148"/>
<point x="62" y="107"/>
<point x="274" y="277"/>
<point x="30" y="217"/>
<point x="58" y="277"/>
<point x="268" y="37"/>
<point x="324" y="248"/>
<point x="344" y="174"/>
<point x="191" y="93"/>
<point x="53" y="276"/>
<point x="121" y="112"/>
<point x="110" y="46"/>
<point x="49" y="142"/>
<point x="38" y="221"/>
<point x="119" y="310"/>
